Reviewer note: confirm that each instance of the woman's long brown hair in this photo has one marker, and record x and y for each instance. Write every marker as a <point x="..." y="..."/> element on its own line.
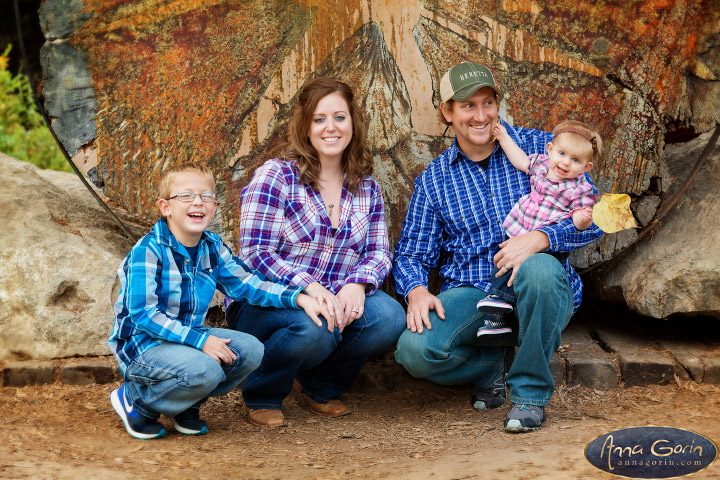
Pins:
<point x="356" y="160"/>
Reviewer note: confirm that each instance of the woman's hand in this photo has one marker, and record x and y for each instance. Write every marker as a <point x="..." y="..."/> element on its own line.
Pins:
<point x="313" y="308"/>
<point x="352" y="298"/>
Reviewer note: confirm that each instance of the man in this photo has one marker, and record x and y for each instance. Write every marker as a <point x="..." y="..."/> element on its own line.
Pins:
<point x="455" y="216"/>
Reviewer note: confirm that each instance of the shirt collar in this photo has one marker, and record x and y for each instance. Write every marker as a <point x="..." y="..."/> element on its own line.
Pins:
<point x="164" y="236"/>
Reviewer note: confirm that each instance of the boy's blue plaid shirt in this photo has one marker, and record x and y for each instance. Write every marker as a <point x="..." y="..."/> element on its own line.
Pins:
<point x="163" y="298"/>
<point x="458" y="208"/>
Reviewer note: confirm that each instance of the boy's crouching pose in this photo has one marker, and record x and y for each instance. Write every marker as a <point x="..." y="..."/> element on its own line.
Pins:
<point x="171" y="363"/>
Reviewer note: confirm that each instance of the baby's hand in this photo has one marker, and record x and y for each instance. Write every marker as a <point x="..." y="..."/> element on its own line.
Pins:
<point x="500" y="132"/>
<point x="582" y="218"/>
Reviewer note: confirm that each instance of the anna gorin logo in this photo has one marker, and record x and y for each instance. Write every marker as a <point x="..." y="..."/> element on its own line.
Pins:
<point x="651" y="452"/>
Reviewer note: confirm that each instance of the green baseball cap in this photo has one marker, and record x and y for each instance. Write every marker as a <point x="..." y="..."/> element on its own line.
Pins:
<point x="464" y="79"/>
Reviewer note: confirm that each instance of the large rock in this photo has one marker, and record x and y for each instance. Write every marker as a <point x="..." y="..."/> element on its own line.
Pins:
<point x="59" y="252"/>
<point x="134" y="86"/>
<point x="674" y="270"/>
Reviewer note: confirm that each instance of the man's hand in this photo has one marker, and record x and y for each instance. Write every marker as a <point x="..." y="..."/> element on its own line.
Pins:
<point x="420" y="302"/>
<point x="352" y="298"/>
<point x="217" y="349"/>
<point x="514" y="251"/>
<point x="313" y="308"/>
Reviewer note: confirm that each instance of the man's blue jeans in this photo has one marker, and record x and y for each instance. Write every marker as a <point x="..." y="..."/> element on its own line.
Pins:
<point x="171" y="377"/>
<point x="325" y="363"/>
<point x="452" y="354"/>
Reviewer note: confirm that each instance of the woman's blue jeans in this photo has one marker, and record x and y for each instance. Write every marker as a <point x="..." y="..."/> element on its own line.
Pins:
<point x="324" y="363"/>
<point x="451" y="353"/>
<point x="171" y="377"/>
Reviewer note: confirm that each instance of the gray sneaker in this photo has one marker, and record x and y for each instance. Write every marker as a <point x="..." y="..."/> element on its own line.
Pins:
<point x="492" y="397"/>
<point x="524" y="418"/>
<point x="495" y="395"/>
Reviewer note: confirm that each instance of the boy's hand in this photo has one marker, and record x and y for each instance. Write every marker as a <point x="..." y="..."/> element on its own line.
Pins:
<point x="313" y="308"/>
<point x="582" y="218"/>
<point x="324" y="296"/>
<point x="217" y="349"/>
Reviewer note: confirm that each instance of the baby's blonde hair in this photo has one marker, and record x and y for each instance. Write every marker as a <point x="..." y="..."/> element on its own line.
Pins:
<point x="168" y="178"/>
<point x="582" y="136"/>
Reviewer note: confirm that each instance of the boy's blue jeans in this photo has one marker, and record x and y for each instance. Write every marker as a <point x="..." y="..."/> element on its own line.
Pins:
<point x="451" y="353"/>
<point x="325" y="363"/>
<point x="171" y="377"/>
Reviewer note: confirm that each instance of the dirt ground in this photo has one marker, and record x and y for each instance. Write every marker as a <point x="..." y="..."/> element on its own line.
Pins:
<point x="65" y="432"/>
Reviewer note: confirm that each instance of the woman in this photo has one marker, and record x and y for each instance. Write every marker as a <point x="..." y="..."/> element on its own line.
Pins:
<point x="315" y="219"/>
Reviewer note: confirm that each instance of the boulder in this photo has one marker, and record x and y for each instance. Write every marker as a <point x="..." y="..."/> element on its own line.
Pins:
<point x="59" y="252"/>
<point x="135" y="86"/>
<point x="674" y="270"/>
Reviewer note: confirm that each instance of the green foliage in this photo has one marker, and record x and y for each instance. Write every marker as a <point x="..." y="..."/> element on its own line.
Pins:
<point x="23" y="133"/>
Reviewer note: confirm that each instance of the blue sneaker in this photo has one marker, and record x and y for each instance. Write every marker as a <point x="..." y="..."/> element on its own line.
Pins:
<point x="189" y="423"/>
<point x="524" y="418"/>
<point x="136" y="424"/>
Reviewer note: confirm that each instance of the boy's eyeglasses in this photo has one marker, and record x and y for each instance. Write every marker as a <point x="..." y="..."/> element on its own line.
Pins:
<point x="188" y="197"/>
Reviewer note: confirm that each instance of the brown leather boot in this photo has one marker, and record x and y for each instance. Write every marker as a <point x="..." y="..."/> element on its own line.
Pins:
<point x="331" y="409"/>
<point x="266" y="417"/>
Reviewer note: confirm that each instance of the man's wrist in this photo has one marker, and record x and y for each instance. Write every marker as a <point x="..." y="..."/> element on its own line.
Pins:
<point x="540" y="239"/>
<point x="418" y="290"/>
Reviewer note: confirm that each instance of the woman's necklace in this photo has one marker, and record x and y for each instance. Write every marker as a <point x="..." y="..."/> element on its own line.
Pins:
<point x="329" y="209"/>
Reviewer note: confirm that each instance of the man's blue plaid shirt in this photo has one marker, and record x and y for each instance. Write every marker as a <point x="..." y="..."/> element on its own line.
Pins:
<point x="458" y="208"/>
<point x="165" y="298"/>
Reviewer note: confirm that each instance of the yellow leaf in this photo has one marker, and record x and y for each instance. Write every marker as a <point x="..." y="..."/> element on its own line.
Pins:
<point x="612" y="213"/>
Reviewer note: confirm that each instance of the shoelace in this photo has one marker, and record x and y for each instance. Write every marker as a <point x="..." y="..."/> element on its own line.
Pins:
<point x="493" y="323"/>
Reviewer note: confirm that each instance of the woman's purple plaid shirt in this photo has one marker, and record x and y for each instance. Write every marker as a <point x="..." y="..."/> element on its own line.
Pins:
<point x="286" y="234"/>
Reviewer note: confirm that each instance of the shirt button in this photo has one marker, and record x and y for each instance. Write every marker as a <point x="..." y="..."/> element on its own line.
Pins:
<point x="187" y="260"/>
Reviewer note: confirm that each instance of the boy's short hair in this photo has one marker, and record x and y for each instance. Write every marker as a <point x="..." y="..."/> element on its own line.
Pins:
<point x="582" y="135"/>
<point x="168" y="178"/>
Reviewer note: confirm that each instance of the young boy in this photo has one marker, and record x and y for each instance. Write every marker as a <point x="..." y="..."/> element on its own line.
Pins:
<point x="558" y="190"/>
<point x="171" y="363"/>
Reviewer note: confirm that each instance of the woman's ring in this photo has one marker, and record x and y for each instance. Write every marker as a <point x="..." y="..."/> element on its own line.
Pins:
<point x="355" y="311"/>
